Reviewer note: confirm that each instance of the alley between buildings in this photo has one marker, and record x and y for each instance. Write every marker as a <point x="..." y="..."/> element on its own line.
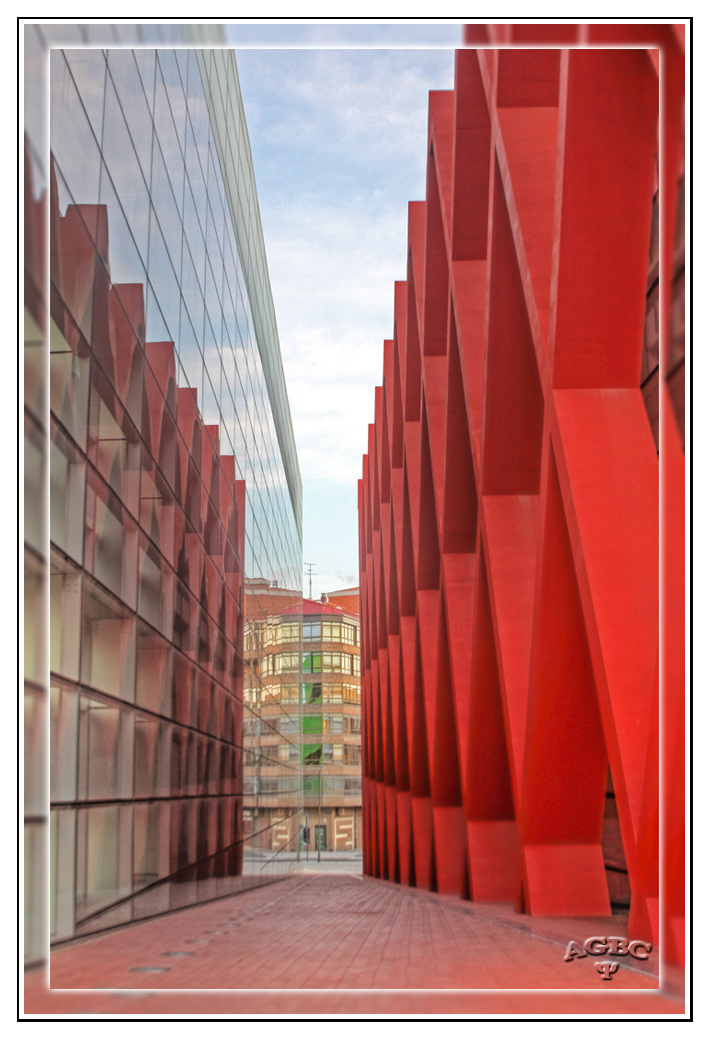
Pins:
<point x="344" y="932"/>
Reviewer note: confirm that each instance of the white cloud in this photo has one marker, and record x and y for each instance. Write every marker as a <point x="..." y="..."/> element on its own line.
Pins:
<point x="332" y="277"/>
<point x="339" y="146"/>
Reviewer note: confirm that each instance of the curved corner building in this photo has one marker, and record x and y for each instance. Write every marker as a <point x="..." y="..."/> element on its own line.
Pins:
<point x="175" y="495"/>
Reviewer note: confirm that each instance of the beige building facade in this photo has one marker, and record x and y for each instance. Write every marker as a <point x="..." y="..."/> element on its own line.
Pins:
<point x="305" y="761"/>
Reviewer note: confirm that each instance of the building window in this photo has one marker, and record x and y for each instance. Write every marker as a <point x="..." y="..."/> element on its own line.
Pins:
<point x="289" y="632"/>
<point x="275" y="664"/>
<point x="333" y="754"/>
<point x="252" y="727"/>
<point x="351" y="755"/>
<point x="312" y="693"/>
<point x="288" y="724"/>
<point x="351" y="693"/>
<point x="341" y="693"/>
<point x="349" y="634"/>
<point x="332" y="631"/>
<point x="312" y="663"/>
<point x="311" y="754"/>
<point x="312" y="724"/>
<point x="289" y="753"/>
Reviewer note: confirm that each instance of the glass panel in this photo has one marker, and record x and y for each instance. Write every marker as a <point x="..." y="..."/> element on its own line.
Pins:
<point x="113" y="445"/>
<point x="311" y="754"/>
<point x="312" y="693"/>
<point x="151" y="843"/>
<point x="126" y="262"/>
<point x="351" y="755"/>
<point x="312" y="663"/>
<point x="157" y="513"/>
<point x="62" y="833"/>
<point x="108" y="645"/>
<point x="123" y="163"/>
<point x="67" y="475"/>
<point x="132" y="98"/>
<point x="146" y="64"/>
<point x="190" y="351"/>
<point x="106" y="745"/>
<point x="105" y="535"/>
<point x="104" y="846"/>
<point x="333" y="723"/>
<point x="199" y="119"/>
<point x="289" y="724"/>
<point x="72" y="141"/>
<point x="351" y="693"/>
<point x="312" y="724"/>
<point x="153" y="671"/>
<point x="69" y="383"/>
<point x="184" y="706"/>
<point x="164" y="261"/>
<point x="170" y="121"/>
<point x="154" y="581"/>
<point x="332" y="631"/>
<point x="147" y="757"/>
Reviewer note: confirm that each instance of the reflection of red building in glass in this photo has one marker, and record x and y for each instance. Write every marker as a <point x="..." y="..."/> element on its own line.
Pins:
<point x="167" y="410"/>
<point x="509" y="501"/>
<point x="147" y="529"/>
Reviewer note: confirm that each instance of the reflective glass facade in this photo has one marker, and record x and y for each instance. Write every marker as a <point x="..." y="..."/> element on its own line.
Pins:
<point x="174" y="487"/>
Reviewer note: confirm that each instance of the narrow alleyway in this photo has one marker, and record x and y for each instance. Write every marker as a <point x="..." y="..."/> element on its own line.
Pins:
<point x="327" y="931"/>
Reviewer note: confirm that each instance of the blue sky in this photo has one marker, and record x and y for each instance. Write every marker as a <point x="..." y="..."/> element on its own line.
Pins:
<point x="339" y="140"/>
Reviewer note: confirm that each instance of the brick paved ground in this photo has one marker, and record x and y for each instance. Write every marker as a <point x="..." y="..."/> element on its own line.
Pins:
<point x="343" y="932"/>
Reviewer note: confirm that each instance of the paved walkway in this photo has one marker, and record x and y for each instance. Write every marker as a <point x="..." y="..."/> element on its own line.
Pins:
<point x="345" y="932"/>
<point x="330" y="863"/>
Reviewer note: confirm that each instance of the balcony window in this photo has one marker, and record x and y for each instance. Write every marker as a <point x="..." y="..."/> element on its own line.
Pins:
<point x="312" y="693"/>
<point x="312" y="754"/>
<point x="313" y="663"/>
<point x="333" y="723"/>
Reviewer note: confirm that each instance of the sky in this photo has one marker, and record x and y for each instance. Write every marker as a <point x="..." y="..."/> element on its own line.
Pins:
<point x="339" y="141"/>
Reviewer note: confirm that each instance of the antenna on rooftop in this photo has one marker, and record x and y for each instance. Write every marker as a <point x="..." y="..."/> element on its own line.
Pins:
<point x="310" y="571"/>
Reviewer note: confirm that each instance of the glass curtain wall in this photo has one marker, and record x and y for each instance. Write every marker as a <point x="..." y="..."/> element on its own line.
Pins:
<point x="174" y="493"/>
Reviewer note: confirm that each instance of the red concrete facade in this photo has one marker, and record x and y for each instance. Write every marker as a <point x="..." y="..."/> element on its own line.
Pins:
<point x="509" y="502"/>
<point x="666" y="45"/>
